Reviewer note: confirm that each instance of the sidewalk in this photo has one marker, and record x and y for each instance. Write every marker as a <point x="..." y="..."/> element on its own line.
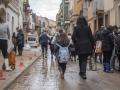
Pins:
<point x="28" y="58"/>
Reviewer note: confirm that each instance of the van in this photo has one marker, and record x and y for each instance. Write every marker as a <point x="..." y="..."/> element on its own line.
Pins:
<point x="32" y="40"/>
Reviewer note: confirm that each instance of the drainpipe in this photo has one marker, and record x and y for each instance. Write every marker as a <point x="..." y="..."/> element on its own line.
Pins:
<point x="63" y="14"/>
<point x="18" y="13"/>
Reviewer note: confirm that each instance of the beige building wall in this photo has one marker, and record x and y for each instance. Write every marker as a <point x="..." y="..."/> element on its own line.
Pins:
<point x="91" y="16"/>
<point x="108" y="5"/>
<point x="112" y="17"/>
<point x="76" y="7"/>
<point x="110" y="10"/>
<point x="117" y="6"/>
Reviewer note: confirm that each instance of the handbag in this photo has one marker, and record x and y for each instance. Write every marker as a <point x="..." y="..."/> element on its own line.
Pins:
<point x="98" y="48"/>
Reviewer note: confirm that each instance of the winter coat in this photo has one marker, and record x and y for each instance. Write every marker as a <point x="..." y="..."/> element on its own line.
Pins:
<point x="98" y="35"/>
<point x="44" y="39"/>
<point x="83" y="40"/>
<point x="107" y="41"/>
<point x="20" y="39"/>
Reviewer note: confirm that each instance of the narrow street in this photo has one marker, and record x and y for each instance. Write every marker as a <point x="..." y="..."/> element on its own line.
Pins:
<point x="46" y="77"/>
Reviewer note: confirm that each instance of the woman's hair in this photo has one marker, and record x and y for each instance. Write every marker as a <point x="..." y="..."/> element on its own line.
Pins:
<point x="64" y="39"/>
<point x="81" y="21"/>
<point x="60" y="31"/>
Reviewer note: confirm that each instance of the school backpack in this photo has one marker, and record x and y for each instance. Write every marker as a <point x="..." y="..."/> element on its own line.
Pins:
<point x="63" y="54"/>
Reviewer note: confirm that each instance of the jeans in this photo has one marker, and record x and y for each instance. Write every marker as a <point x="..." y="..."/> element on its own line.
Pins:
<point x="44" y="49"/>
<point x="20" y="49"/>
<point x="3" y="48"/>
<point x="107" y="57"/>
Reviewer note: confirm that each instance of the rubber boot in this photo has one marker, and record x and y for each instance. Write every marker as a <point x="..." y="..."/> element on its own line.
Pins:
<point x="7" y="65"/>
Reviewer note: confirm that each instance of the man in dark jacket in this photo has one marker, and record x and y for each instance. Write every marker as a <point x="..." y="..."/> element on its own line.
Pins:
<point x="107" y="48"/>
<point x="84" y="44"/>
<point x="44" y="41"/>
<point x="20" y="41"/>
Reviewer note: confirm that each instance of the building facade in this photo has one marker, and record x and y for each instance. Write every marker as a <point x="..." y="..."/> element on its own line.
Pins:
<point x="12" y="12"/>
<point x="44" y="24"/>
<point x="52" y="27"/>
<point x="117" y="12"/>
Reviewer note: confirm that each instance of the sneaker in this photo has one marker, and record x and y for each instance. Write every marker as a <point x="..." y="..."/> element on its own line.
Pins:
<point x="109" y="71"/>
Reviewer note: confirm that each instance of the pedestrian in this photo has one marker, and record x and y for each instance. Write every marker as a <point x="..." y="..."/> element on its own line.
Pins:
<point x="84" y="43"/>
<point x="62" y="53"/>
<point x="72" y="48"/>
<point x="4" y="37"/>
<point x="107" y="48"/>
<point x="51" y="47"/>
<point x="44" y="41"/>
<point x="20" y="41"/>
<point x="116" y="51"/>
<point x="56" y="39"/>
<point x="14" y="40"/>
<point x="98" y="41"/>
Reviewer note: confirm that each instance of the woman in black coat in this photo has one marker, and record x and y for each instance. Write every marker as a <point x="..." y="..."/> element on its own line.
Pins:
<point x="84" y="43"/>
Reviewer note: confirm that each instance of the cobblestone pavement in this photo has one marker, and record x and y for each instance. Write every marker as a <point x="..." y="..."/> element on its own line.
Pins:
<point x="22" y="63"/>
<point x="46" y="77"/>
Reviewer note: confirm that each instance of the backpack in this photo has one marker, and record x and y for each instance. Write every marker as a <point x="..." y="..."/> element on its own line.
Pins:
<point x="63" y="54"/>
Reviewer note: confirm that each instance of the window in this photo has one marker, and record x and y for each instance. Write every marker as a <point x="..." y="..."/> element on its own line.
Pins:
<point x="31" y="39"/>
<point x="43" y="24"/>
<point x="8" y="16"/>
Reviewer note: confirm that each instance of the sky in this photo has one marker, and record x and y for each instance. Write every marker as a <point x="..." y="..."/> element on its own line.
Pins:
<point x="45" y="8"/>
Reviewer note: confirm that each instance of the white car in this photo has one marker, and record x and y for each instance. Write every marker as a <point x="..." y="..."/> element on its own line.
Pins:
<point x="32" y="41"/>
<point x="27" y="47"/>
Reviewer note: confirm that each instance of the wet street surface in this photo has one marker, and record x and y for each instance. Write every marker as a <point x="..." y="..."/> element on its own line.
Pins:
<point x="47" y="77"/>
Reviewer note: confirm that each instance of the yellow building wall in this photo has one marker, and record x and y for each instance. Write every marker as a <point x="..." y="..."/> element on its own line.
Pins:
<point x="77" y="7"/>
<point x="112" y="17"/>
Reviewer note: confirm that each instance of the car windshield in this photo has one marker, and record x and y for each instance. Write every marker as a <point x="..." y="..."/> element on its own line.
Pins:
<point x="31" y="39"/>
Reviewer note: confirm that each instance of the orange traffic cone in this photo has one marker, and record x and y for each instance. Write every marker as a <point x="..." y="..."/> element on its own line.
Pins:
<point x="21" y="58"/>
<point x="35" y="54"/>
<point x="21" y="62"/>
<point x="1" y="75"/>
<point x="30" y="58"/>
